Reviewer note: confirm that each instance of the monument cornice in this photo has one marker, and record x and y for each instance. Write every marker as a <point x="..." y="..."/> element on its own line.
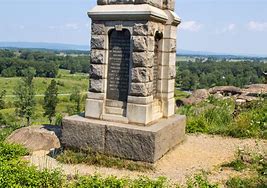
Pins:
<point x="127" y="13"/>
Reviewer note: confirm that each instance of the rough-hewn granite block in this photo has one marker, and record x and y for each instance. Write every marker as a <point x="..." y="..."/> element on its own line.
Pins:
<point x="127" y="141"/>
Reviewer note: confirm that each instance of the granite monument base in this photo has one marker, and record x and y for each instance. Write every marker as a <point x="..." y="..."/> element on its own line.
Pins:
<point x="147" y="144"/>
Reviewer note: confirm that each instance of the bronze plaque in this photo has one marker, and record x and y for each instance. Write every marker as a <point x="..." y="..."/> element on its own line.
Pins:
<point x="118" y="65"/>
<point x="156" y="67"/>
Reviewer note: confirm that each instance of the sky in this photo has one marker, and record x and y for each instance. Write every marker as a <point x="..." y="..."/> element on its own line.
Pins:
<point x="222" y="26"/>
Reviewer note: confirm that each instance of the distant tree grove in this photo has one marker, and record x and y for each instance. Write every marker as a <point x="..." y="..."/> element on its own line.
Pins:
<point x="45" y="63"/>
<point x="196" y="75"/>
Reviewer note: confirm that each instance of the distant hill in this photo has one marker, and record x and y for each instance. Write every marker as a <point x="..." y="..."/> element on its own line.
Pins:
<point x="41" y="45"/>
<point x="59" y="46"/>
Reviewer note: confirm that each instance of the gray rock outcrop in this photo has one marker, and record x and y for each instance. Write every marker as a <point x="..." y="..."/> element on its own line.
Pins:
<point x="44" y="138"/>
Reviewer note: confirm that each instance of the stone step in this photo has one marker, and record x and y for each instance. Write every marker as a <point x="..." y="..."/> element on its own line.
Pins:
<point x="116" y="104"/>
<point x="114" y="110"/>
<point x="157" y="116"/>
<point x="115" y="118"/>
<point x="156" y="109"/>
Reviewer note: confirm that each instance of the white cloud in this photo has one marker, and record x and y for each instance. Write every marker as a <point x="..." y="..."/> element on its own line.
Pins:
<point x="257" y="26"/>
<point x="69" y="26"/>
<point x="72" y="26"/>
<point x="228" y="29"/>
<point x="192" y="26"/>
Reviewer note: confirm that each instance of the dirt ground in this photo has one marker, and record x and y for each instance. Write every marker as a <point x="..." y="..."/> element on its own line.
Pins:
<point x="196" y="153"/>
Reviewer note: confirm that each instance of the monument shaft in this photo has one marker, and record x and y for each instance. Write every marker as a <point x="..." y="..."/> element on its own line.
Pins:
<point x="133" y="61"/>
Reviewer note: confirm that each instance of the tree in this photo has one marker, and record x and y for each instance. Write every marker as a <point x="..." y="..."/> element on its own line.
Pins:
<point x="2" y="101"/>
<point x="25" y="101"/>
<point x="51" y="100"/>
<point x="76" y="97"/>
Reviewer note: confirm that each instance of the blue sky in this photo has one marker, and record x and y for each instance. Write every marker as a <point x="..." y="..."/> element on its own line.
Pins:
<point x="224" y="26"/>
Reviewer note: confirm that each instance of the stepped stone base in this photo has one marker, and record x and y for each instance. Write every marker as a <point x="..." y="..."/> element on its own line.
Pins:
<point x="127" y="141"/>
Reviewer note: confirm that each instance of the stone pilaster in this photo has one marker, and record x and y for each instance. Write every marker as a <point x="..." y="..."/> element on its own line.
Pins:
<point x="168" y="64"/>
<point x="97" y="71"/>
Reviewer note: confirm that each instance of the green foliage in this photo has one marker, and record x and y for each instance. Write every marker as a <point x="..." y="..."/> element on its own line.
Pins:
<point x="98" y="181"/>
<point x="9" y="72"/>
<point x="51" y="100"/>
<point x="76" y="97"/>
<point x="16" y="173"/>
<point x="59" y="118"/>
<point x="212" y="116"/>
<point x="93" y="158"/>
<point x="238" y="164"/>
<point x="11" y="151"/>
<point x="46" y="63"/>
<point x="5" y="132"/>
<point x="256" y="162"/>
<point x="25" y="94"/>
<point x="217" y="116"/>
<point x="114" y="182"/>
<point x="2" y="99"/>
<point x="200" y="181"/>
<point x="214" y="72"/>
<point x="251" y="121"/>
<point x="180" y="94"/>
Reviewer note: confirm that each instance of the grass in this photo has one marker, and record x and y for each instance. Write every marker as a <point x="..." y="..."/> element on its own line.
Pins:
<point x="185" y="58"/>
<point x="224" y="117"/>
<point x="180" y="94"/>
<point x="66" y="82"/>
<point x="65" y="107"/>
<point x="96" y="159"/>
<point x="200" y="180"/>
<point x="256" y="163"/>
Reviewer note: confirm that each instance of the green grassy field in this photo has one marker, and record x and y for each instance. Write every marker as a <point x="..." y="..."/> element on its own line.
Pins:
<point x="185" y="58"/>
<point x="67" y="83"/>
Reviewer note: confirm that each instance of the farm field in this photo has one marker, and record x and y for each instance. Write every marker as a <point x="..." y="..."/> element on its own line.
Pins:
<point x="67" y="83"/>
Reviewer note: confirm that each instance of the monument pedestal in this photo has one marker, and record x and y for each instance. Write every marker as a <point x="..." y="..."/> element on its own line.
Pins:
<point x="139" y="143"/>
<point x="130" y="107"/>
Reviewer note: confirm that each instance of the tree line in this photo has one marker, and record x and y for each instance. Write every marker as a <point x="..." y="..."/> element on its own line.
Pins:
<point x="195" y="75"/>
<point x="46" y="63"/>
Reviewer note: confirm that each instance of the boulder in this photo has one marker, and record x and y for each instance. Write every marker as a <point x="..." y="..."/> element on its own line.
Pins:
<point x="44" y="138"/>
<point x="201" y="94"/>
<point x="225" y="90"/>
<point x="255" y="90"/>
<point x="247" y="98"/>
<point x="196" y="97"/>
<point x="188" y="101"/>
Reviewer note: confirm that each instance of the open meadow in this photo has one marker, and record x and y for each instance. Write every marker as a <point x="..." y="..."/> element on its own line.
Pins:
<point x="67" y="83"/>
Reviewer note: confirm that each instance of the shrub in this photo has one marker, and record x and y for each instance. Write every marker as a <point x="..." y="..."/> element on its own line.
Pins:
<point x="251" y="122"/>
<point x="200" y="181"/>
<point x="11" y="151"/>
<point x="15" y="172"/>
<point x="223" y="117"/>
<point x="212" y="116"/>
<point x="5" y="132"/>
<point x="114" y="182"/>
<point x="59" y="118"/>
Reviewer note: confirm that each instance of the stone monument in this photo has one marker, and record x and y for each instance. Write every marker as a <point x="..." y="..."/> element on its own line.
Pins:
<point x="130" y="108"/>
